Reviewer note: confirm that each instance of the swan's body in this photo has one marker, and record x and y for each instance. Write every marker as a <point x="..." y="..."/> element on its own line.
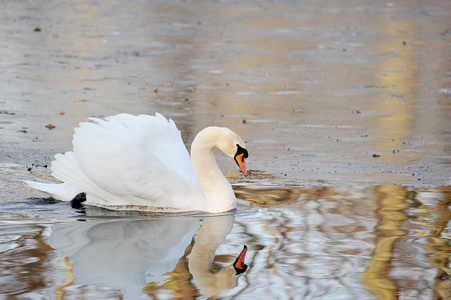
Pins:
<point x="140" y="162"/>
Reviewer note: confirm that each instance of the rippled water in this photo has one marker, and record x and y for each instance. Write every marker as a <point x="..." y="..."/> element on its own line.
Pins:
<point x="303" y="243"/>
<point x="324" y="93"/>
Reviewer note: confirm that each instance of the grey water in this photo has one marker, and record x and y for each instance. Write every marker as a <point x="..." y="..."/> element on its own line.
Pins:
<point x="344" y="107"/>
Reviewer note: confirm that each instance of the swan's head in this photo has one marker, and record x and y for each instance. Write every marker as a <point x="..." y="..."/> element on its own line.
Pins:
<point x="225" y="140"/>
<point x="232" y="145"/>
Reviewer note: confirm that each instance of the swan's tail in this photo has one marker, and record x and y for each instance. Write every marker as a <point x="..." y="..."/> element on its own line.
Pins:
<point x="65" y="167"/>
<point x="62" y="191"/>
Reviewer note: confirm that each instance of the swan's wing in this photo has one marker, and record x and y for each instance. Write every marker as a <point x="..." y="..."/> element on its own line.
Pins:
<point x="127" y="159"/>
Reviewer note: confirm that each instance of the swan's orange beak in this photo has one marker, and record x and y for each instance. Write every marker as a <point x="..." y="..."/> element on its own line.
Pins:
<point x="240" y="161"/>
<point x="239" y="265"/>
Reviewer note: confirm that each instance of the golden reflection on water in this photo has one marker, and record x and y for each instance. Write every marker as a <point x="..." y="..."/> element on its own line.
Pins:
<point x="22" y="270"/>
<point x="389" y="203"/>
<point x="411" y="235"/>
<point x="381" y="242"/>
<point x="59" y="290"/>
<point x="435" y="220"/>
<point x="397" y="74"/>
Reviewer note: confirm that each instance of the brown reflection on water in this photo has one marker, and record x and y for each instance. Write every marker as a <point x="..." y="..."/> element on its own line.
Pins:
<point x="22" y="265"/>
<point x="381" y="242"/>
<point x="264" y="196"/>
<point x="442" y="251"/>
<point x="59" y="290"/>
<point x="389" y="206"/>
<point x="180" y="283"/>
<point x="407" y="228"/>
<point x="434" y="217"/>
<point x="397" y="75"/>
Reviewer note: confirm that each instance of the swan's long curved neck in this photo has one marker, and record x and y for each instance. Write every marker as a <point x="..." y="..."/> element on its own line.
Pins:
<point x="219" y="194"/>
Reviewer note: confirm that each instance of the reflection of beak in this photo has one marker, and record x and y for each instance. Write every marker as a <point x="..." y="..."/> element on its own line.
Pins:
<point x="240" y="161"/>
<point x="239" y="265"/>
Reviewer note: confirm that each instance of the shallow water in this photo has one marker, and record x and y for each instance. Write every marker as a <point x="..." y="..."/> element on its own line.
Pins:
<point x="344" y="107"/>
<point x="379" y="242"/>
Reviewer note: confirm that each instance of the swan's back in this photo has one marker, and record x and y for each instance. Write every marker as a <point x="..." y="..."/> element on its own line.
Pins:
<point x="126" y="161"/>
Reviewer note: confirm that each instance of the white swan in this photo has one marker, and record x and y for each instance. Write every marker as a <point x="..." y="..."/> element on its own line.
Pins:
<point x="140" y="162"/>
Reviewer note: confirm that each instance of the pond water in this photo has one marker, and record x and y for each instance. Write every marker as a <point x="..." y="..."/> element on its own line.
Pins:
<point x="368" y="242"/>
<point x="344" y="107"/>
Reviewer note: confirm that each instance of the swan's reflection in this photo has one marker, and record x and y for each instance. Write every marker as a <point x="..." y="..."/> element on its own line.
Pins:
<point x="128" y="254"/>
<point x="213" y="233"/>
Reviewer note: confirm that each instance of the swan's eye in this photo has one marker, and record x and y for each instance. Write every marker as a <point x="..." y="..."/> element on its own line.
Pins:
<point x="239" y="157"/>
<point x="241" y="150"/>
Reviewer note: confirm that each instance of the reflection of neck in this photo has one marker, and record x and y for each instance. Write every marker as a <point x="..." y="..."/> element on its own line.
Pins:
<point x="213" y="233"/>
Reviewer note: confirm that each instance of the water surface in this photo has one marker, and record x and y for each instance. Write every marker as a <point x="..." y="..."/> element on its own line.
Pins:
<point x="379" y="242"/>
<point x="344" y="107"/>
